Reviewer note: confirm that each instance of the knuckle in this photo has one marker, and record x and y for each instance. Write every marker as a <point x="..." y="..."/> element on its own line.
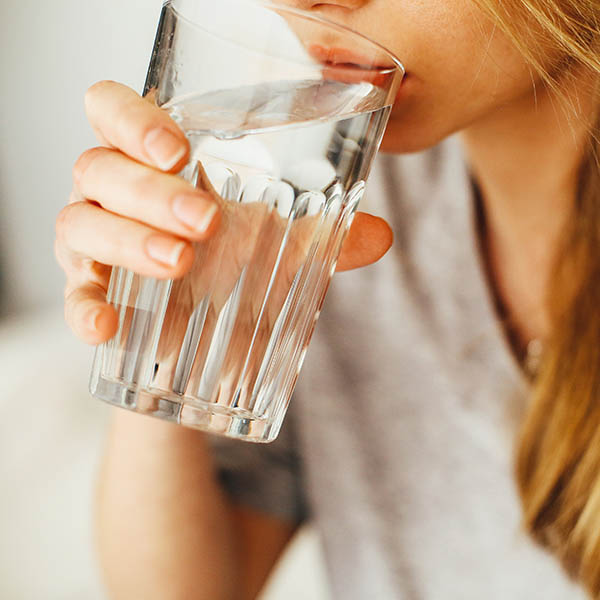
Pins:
<point x="84" y="161"/>
<point x="75" y="196"/>
<point x="58" y="254"/>
<point x="70" y="291"/>
<point x="72" y="296"/>
<point x="64" y="222"/>
<point x="66" y="310"/>
<point x="95" y="91"/>
<point x="73" y="309"/>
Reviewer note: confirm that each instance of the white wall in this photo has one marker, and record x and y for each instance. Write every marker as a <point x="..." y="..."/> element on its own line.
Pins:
<point x="50" y="52"/>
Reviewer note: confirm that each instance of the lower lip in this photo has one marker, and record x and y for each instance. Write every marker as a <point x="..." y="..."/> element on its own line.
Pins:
<point x="356" y="75"/>
<point x="353" y="74"/>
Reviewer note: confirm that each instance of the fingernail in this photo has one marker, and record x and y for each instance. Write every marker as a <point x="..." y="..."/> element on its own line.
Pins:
<point x="165" y="250"/>
<point x="196" y="213"/>
<point x="164" y="148"/>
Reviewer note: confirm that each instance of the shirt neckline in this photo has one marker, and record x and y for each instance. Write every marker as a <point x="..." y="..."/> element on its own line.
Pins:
<point x="485" y="291"/>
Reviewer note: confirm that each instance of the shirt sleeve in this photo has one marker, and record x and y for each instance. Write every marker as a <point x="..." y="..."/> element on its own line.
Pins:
<point x="265" y="477"/>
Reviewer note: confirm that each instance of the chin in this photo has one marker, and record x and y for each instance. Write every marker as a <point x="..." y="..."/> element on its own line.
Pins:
<point x="403" y="136"/>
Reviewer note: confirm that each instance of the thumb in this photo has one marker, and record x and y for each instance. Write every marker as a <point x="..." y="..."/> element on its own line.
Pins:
<point x="367" y="241"/>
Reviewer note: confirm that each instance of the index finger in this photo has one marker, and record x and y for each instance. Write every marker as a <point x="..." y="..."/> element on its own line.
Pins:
<point x="124" y="120"/>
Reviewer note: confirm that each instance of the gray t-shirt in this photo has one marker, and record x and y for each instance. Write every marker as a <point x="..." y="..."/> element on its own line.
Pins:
<point x="399" y="439"/>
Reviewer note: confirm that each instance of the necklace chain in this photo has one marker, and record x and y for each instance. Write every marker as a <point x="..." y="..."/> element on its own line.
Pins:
<point x="530" y="357"/>
<point x="533" y="358"/>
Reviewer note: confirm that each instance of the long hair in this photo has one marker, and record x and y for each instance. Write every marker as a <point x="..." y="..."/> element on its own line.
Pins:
<point x="557" y="463"/>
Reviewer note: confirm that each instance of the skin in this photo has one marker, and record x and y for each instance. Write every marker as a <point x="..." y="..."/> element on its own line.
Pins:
<point x="462" y="76"/>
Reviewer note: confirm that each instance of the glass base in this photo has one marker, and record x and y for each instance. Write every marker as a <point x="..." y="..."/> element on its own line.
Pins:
<point x="235" y="423"/>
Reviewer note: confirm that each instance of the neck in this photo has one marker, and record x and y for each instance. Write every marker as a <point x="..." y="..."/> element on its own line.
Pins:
<point x="525" y="160"/>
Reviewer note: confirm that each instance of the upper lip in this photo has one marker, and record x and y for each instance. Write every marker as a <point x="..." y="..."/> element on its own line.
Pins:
<point x="343" y="57"/>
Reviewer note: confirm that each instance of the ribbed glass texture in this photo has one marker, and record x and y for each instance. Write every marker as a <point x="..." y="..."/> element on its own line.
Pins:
<point x="285" y="153"/>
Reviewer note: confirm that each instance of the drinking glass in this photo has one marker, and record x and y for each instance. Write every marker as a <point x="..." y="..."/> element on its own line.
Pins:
<point x="284" y="112"/>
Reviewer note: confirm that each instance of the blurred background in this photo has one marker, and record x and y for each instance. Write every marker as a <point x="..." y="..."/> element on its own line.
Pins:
<point x="51" y="433"/>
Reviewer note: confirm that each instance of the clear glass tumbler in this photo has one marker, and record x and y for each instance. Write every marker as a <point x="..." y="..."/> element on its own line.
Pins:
<point x="284" y="112"/>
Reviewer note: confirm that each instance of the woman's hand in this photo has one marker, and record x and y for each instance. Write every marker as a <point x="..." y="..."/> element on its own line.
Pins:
<point x="129" y="209"/>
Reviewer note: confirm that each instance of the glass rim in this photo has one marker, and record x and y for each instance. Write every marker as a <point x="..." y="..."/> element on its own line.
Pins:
<point x="398" y="65"/>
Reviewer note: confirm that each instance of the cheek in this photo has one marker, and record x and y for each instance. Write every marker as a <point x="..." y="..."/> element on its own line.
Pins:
<point x="460" y="68"/>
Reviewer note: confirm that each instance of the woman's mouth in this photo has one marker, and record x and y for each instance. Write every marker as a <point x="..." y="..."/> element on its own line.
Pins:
<point x="347" y="66"/>
<point x="348" y="59"/>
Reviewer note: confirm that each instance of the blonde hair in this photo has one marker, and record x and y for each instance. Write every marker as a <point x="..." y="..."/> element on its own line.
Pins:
<point x="558" y="448"/>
